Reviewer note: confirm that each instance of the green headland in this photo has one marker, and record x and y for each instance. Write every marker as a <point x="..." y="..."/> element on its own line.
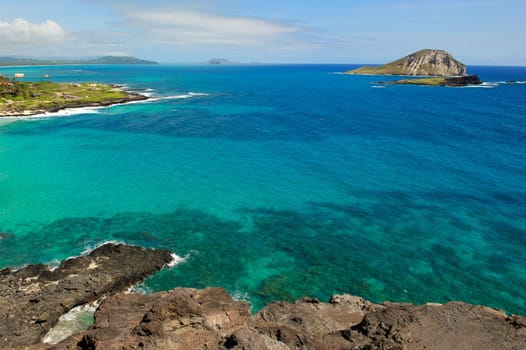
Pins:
<point x="28" y="98"/>
<point x="24" y="61"/>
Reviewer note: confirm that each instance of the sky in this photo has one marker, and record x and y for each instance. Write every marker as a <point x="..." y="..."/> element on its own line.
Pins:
<point x="477" y="32"/>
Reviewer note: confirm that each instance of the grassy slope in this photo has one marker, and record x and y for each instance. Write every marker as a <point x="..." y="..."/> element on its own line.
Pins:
<point x="435" y="81"/>
<point x="393" y="68"/>
<point x="41" y="95"/>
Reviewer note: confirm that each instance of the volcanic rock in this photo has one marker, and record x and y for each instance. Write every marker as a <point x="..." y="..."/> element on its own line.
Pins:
<point x="34" y="297"/>
<point x="185" y="319"/>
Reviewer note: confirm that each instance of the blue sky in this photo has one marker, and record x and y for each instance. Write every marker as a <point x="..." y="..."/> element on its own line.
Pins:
<point x="489" y="32"/>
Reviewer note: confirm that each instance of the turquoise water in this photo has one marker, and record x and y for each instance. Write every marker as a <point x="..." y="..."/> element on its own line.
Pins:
<point x="282" y="181"/>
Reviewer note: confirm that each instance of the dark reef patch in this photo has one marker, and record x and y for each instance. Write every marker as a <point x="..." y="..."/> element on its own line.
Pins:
<point x="385" y="246"/>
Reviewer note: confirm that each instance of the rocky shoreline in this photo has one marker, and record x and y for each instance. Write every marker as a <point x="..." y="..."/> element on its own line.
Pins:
<point x="33" y="298"/>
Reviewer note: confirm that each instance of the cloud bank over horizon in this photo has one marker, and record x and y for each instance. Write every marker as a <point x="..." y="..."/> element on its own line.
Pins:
<point x="20" y="33"/>
<point x="337" y="31"/>
<point x="190" y="27"/>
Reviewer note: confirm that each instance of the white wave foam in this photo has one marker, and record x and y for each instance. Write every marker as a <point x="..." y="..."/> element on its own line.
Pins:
<point x="62" y="113"/>
<point x="97" y="109"/>
<point x="176" y="260"/>
<point x="241" y="296"/>
<point x="74" y="321"/>
<point x="480" y="86"/>
<point x="378" y="87"/>
<point x="89" y="248"/>
<point x="176" y="97"/>
<point x="492" y="84"/>
<point x="53" y="264"/>
<point x="138" y="289"/>
<point x="510" y="82"/>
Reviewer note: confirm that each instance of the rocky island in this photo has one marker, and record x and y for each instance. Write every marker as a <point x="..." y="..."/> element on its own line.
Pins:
<point x="19" y="98"/>
<point x="33" y="298"/>
<point x="442" y="68"/>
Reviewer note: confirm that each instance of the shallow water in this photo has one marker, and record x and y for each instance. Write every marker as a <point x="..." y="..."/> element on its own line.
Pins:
<point x="282" y="181"/>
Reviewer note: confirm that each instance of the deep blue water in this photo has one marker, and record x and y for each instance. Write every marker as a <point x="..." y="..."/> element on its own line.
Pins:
<point x="282" y="181"/>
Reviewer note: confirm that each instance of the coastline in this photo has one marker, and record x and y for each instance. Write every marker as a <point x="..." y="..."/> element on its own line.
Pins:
<point x="38" y="298"/>
<point x="20" y="99"/>
<point x="132" y="97"/>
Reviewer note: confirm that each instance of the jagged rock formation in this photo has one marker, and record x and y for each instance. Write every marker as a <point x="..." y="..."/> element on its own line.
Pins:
<point x="185" y="319"/>
<point x="34" y="297"/>
<point x="423" y="62"/>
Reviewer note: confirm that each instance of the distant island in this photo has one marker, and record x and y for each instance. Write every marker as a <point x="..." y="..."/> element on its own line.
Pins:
<point x="29" y="98"/>
<point x="220" y="61"/>
<point x="444" y="69"/>
<point x="17" y="61"/>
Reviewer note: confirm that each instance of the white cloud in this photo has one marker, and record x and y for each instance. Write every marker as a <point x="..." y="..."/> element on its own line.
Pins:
<point x="20" y="31"/>
<point x="190" y="27"/>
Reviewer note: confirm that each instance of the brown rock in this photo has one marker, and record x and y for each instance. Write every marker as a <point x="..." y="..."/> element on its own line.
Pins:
<point x="33" y="298"/>
<point x="183" y="318"/>
<point x="303" y="324"/>
<point x="210" y="319"/>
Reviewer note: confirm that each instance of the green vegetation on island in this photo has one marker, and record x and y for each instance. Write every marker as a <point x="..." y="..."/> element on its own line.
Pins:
<point x="27" y="98"/>
<point x="438" y="81"/>
<point x="17" y="61"/>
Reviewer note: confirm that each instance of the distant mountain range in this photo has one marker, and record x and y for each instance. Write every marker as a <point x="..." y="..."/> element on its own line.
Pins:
<point x="17" y="61"/>
<point x="220" y="61"/>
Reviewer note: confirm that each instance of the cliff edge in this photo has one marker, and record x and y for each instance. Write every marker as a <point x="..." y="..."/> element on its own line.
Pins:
<point x="187" y="318"/>
<point x="424" y="62"/>
<point x="33" y="298"/>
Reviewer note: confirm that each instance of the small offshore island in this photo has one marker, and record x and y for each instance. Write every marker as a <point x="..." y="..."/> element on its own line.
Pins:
<point x="30" y="98"/>
<point x="439" y="67"/>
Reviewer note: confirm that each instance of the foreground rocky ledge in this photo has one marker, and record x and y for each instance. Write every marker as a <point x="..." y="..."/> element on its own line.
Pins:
<point x="209" y="319"/>
<point x="34" y="297"/>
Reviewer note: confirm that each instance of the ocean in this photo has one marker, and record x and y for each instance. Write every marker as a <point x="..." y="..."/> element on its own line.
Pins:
<point x="281" y="181"/>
